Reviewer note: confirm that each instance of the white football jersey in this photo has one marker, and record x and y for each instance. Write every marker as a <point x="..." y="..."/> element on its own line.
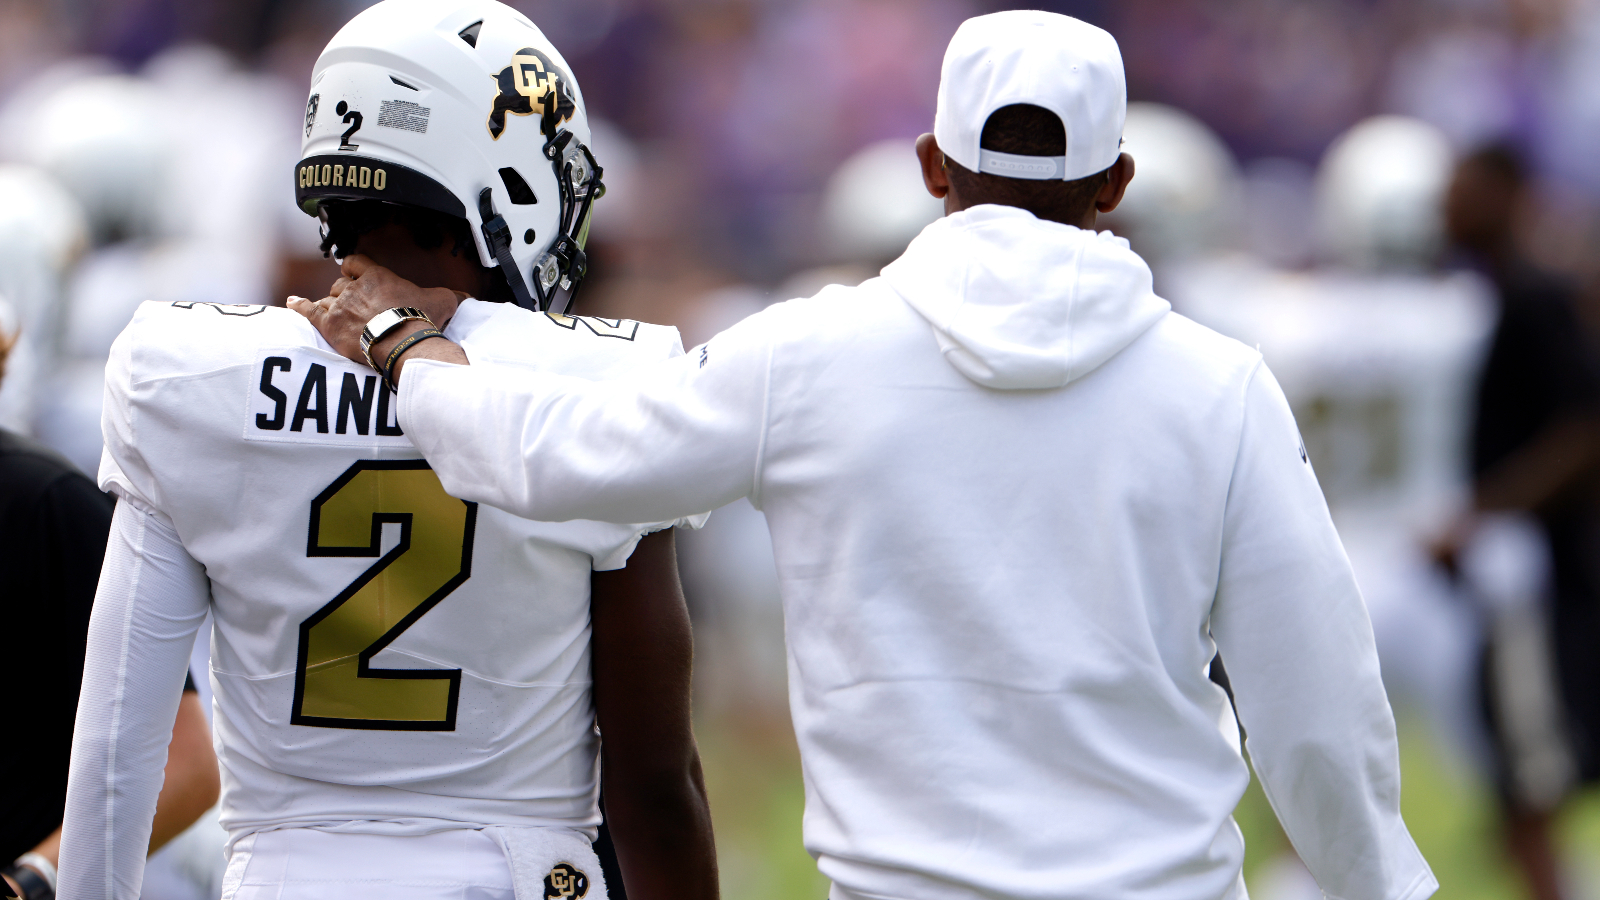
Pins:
<point x="382" y="651"/>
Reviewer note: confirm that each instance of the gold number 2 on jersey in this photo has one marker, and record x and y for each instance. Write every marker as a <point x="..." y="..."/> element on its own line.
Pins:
<point x="335" y="685"/>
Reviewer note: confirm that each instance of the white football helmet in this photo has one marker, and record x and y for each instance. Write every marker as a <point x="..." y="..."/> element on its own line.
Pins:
<point x="875" y="203"/>
<point x="43" y="232"/>
<point x="1185" y="189"/>
<point x="1380" y="194"/>
<point x="117" y="161"/>
<point x="467" y="109"/>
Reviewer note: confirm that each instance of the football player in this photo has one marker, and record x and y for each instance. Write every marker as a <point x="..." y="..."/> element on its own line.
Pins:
<point x="408" y="686"/>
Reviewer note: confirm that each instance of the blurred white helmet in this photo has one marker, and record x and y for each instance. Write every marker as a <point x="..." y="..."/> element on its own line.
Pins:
<point x="1185" y="186"/>
<point x="42" y="234"/>
<point x="106" y="139"/>
<point x="875" y="203"/>
<point x="252" y="136"/>
<point x="1380" y="191"/>
<point x="467" y="109"/>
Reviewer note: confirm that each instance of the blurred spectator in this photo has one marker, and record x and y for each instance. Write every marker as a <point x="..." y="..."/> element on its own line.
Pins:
<point x="1535" y="449"/>
<point x="753" y="104"/>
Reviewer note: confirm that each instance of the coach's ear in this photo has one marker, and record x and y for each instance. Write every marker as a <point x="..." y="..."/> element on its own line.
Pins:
<point x="1110" y="196"/>
<point x="934" y="176"/>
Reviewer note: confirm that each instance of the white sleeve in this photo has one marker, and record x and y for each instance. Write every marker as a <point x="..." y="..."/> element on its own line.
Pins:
<point x="668" y="441"/>
<point x="123" y="470"/>
<point x="151" y="601"/>
<point x="1293" y="632"/>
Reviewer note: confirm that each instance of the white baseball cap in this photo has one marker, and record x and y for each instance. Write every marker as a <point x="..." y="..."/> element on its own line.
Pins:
<point x="1053" y="61"/>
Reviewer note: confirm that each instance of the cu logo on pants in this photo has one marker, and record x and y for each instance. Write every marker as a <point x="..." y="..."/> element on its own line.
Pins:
<point x="565" y="881"/>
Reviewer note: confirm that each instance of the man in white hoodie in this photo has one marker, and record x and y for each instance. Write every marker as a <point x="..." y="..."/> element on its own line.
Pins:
<point x="1017" y="505"/>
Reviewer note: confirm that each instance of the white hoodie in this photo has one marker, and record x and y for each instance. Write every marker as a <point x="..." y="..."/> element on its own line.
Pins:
<point x="1009" y="546"/>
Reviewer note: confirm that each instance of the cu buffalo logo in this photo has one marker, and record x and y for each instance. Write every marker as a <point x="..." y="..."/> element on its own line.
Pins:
<point x="532" y="85"/>
<point x="565" y="881"/>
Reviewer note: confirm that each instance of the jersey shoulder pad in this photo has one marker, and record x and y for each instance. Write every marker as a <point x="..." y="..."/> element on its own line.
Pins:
<point x="169" y="340"/>
<point x="584" y="346"/>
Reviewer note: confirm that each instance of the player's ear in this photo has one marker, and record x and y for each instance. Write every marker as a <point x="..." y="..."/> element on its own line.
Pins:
<point x="1110" y="196"/>
<point x="934" y="176"/>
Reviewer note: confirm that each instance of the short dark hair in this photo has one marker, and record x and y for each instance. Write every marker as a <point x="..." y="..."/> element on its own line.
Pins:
<point x="348" y="220"/>
<point x="1028" y="130"/>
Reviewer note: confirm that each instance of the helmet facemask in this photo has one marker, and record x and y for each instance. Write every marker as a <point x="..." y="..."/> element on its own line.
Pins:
<point x="559" y="271"/>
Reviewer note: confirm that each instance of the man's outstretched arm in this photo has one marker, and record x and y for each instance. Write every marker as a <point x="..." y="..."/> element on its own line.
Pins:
<point x="670" y="440"/>
<point x="654" y="793"/>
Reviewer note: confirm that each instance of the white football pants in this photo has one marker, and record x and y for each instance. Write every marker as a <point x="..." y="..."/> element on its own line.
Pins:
<point x="302" y="864"/>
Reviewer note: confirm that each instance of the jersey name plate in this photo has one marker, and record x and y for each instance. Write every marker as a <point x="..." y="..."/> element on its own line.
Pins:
<point x="305" y="397"/>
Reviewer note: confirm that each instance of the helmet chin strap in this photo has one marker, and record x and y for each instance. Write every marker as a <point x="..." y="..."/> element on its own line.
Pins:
<point x="497" y="234"/>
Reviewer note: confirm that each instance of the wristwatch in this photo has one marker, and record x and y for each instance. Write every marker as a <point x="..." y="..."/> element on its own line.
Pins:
<point x="383" y="323"/>
<point x="31" y="884"/>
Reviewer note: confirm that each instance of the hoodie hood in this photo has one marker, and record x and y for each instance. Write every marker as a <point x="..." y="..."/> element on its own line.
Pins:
<point x="1017" y="302"/>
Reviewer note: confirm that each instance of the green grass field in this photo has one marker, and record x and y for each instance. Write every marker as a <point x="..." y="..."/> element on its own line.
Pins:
<point x="753" y="775"/>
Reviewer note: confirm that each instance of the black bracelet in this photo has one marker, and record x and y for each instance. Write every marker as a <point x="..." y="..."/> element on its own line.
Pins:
<point x="394" y="355"/>
<point x="32" y="884"/>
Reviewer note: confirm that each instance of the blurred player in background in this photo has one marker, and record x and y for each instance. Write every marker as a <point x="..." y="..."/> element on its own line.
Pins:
<point x="1535" y="449"/>
<point x="1017" y="505"/>
<point x="408" y="686"/>
<point x="120" y="168"/>
<point x="43" y="233"/>
<point x="1375" y="346"/>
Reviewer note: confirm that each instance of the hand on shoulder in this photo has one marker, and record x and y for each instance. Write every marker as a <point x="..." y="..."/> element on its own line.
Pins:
<point x="364" y="290"/>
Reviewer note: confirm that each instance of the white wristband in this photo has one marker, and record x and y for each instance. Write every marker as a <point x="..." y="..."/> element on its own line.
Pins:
<point x="40" y="864"/>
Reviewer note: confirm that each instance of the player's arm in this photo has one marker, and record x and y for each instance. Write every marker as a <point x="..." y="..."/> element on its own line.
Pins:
<point x="667" y="441"/>
<point x="191" y="780"/>
<point x="152" y="599"/>
<point x="655" y="796"/>
<point x="1292" y="627"/>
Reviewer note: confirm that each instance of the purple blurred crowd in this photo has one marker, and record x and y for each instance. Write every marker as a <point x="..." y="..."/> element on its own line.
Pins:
<point x="744" y="107"/>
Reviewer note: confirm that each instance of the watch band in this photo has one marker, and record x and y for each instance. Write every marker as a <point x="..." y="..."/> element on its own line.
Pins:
<point x="394" y="355"/>
<point x="383" y="323"/>
<point x="31" y="885"/>
<point x="42" y="863"/>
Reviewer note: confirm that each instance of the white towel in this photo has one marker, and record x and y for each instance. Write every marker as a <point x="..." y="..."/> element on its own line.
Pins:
<point x="550" y="863"/>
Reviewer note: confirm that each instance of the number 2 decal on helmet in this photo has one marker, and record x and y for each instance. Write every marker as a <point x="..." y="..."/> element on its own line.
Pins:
<point x="353" y="119"/>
